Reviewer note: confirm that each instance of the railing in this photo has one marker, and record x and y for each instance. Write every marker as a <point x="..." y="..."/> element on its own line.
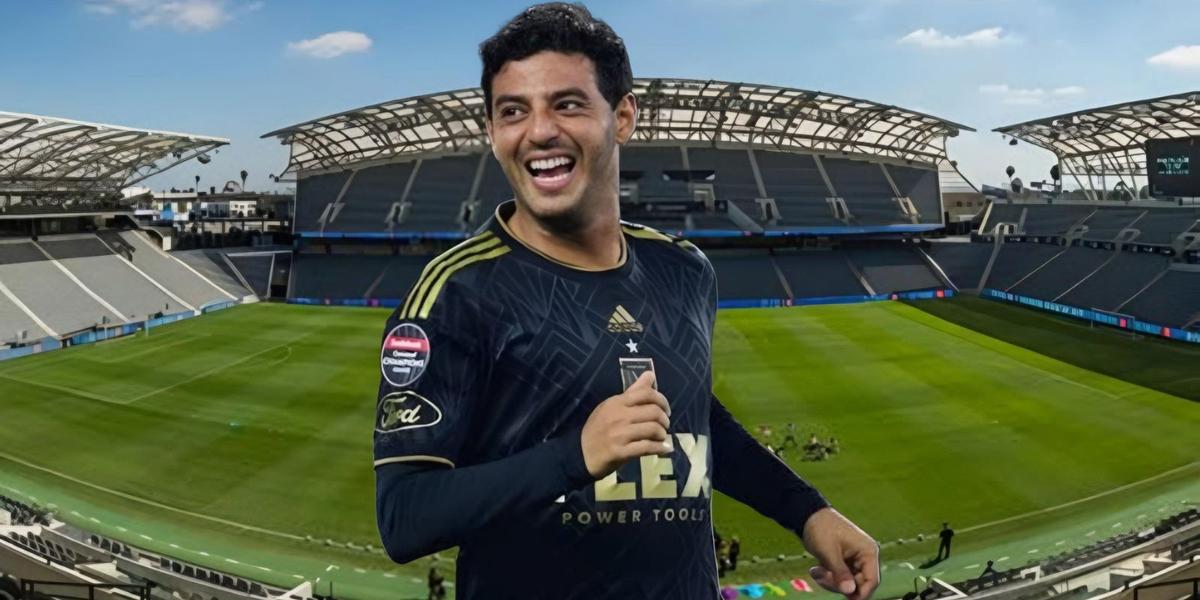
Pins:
<point x="29" y="589"/>
<point x="1195" y="581"/>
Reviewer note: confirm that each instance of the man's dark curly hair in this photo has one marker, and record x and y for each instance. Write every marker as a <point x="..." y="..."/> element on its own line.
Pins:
<point x="560" y="27"/>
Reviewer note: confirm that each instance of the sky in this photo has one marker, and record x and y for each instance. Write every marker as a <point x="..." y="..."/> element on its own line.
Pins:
<point x="240" y="68"/>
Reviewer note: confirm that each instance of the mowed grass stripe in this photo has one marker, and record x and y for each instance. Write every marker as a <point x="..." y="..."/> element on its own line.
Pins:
<point x="180" y="447"/>
<point x="281" y="440"/>
<point x="922" y="404"/>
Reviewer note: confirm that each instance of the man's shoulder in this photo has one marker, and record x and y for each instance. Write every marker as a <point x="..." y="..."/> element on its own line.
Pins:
<point x="675" y="246"/>
<point x="455" y="278"/>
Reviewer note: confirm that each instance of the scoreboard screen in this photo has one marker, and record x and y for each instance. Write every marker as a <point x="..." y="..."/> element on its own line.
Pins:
<point x="1172" y="166"/>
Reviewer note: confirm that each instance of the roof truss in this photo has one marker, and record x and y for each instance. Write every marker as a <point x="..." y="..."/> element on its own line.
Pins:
<point x="670" y="110"/>
<point x="47" y="155"/>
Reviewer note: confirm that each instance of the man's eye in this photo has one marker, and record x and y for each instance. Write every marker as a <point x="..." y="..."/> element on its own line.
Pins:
<point x="510" y="111"/>
<point x="570" y="105"/>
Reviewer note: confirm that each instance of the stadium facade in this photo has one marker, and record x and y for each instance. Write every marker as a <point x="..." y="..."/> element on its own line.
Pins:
<point x="737" y="166"/>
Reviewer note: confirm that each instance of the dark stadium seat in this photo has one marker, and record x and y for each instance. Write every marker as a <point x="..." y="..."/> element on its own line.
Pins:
<point x="818" y="273"/>
<point x="1173" y="300"/>
<point x="369" y="198"/>
<point x="1062" y="273"/>
<point x="857" y="179"/>
<point x="875" y="210"/>
<point x="313" y="194"/>
<point x="1106" y="223"/>
<point x="745" y="274"/>
<point x="1163" y="225"/>
<point x="19" y="252"/>
<point x="796" y="185"/>
<point x="493" y="190"/>
<point x="1054" y="219"/>
<point x="963" y="263"/>
<point x="893" y="268"/>
<point x="79" y="247"/>
<point x="734" y="174"/>
<point x="1116" y="282"/>
<point x="922" y="188"/>
<point x="437" y="194"/>
<point x="1016" y="260"/>
<point x="652" y="163"/>
<point x="1003" y="213"/>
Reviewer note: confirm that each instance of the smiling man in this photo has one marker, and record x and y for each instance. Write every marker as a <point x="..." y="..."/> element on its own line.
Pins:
<point x="546" y="394"/>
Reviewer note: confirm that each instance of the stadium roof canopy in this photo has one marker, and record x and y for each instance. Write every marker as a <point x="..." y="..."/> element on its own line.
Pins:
<point x="1111" y="140"/>
<point x="670" y="110"/>
<point x="52" y="156"/>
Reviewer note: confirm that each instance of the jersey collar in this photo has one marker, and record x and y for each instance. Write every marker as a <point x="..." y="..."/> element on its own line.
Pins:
<point x="499" y="226"/>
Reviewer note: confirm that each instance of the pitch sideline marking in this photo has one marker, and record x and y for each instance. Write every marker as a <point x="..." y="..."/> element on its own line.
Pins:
<point x="65" y="389"/>
<point x="148" y="502"/>
<point x="1085" y="499"/>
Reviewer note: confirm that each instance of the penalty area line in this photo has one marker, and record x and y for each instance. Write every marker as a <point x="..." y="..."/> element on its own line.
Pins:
<point x="219" y="368"/>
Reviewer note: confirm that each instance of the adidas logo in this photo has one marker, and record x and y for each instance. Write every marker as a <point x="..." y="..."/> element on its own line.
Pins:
<point x="623" y="322"/>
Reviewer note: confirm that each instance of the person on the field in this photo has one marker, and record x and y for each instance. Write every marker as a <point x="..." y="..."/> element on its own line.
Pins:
<point x="833" y="447"/>
<point x="945" y="535"/>
<point x="989" y="570"/>
<point x="789" y="440"/>
<point x="735" y="548"/>
<point x="723" y="558"/>
<point x="437" y="584"/>
<point x="546" y="394"/>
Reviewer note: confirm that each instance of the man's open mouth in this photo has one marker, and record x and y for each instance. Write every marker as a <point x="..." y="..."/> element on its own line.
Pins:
<point x="550" y="170"/>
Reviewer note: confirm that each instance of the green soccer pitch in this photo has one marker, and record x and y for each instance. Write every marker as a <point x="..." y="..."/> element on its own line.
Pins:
<point x="241" y="440"/>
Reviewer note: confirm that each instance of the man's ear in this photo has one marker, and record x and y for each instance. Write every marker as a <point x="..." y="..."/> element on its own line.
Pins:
<point x="626" y="115"/>
<point x="487" y="122"/>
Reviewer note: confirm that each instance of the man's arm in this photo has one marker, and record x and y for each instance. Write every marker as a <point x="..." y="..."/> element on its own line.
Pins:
<point x="422" y="508"/>
<point x="745" y="471"/>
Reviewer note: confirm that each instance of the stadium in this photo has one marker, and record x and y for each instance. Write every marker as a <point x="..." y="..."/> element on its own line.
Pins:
<point x="193" y="423"/>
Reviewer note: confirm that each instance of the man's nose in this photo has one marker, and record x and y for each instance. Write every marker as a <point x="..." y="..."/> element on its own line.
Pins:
<point x="543" y="128"/>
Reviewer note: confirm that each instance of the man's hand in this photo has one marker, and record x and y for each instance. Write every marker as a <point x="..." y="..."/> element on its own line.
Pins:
<point x="849" y="557"/>
<point x="626" y="426"/>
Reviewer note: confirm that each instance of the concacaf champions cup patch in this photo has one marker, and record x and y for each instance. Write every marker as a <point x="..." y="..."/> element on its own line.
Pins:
<point x="405" y="354"/>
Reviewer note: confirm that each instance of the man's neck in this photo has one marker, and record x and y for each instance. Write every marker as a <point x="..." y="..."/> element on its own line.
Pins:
<point x="596" y="246"/>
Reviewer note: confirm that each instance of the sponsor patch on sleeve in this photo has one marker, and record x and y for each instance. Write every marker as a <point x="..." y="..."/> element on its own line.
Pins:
<point x="406" y="410"/>
<point x="405" y="354"/>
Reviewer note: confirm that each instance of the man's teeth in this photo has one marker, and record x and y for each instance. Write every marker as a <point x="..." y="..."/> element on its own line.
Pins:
<point x="549" y="163"/>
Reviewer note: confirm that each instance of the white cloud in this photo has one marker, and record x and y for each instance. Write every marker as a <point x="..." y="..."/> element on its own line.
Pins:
<point x="182" y="15"/>
<point x="1069" y="90"/>
<point x="1029" y="96"/>
<point x="982" y="38"/>
<point x="1179" y="57"/>
<point x="332" y="44"/>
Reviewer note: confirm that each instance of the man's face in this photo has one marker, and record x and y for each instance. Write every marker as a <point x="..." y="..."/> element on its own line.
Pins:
<point x="556" y="136"/>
